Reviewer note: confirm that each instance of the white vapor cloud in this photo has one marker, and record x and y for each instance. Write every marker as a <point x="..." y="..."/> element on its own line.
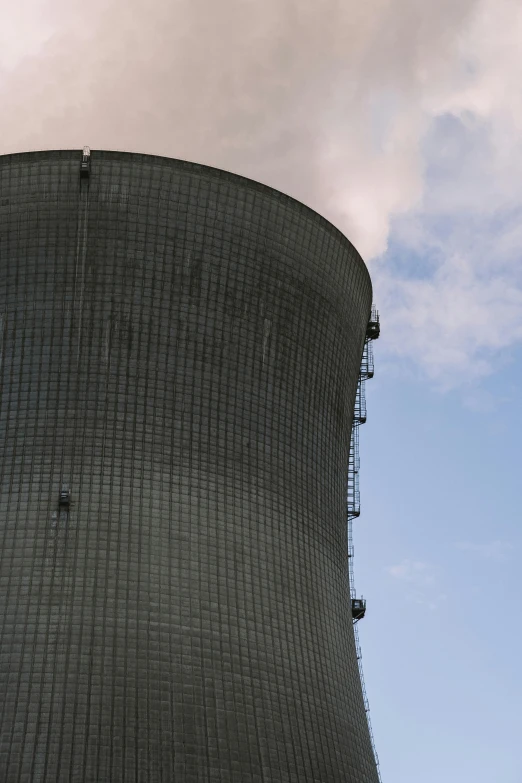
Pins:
<point x="393" y="118"/>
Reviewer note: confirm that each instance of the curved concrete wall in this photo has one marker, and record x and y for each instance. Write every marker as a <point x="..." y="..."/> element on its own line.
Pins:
<point x="180" y="351"/>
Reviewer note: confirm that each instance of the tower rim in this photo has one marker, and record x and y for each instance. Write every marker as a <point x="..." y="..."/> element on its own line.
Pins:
<point x="203" y="168"/>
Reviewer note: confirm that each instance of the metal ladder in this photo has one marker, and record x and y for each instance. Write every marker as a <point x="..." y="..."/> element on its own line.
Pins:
<point x="353" y="504"/>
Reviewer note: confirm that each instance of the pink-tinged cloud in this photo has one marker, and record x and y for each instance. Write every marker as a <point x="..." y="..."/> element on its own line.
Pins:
<point x="330" y="102"/>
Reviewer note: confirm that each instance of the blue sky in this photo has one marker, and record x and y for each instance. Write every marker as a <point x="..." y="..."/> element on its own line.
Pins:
<point x="400" y="121"/>
<point x="439" y="539"/>
<point x="437" y="556"/>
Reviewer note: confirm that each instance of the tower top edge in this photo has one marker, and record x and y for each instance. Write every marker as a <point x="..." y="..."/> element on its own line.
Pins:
<point x="187" y="166"/>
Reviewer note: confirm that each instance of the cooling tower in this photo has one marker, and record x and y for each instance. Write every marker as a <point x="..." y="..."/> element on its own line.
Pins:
<point x="180" y="351"/>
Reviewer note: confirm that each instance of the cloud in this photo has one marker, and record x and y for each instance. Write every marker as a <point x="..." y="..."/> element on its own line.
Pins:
<point x="491" y="550"/>
<point x="400" y="121"/>
<point x="320" y="100"/>
<point x="454" y="324"/>
<point x="23" y="30"/>
<point x="420" y="582"/>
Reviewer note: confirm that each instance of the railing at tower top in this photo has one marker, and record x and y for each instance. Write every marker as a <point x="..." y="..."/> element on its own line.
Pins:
<point x="353" y="505"/>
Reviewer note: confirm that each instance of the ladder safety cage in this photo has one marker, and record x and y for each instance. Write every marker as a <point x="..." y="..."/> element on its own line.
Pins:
<point x="359" y="413"/>
<point x="353" y="496"/>
<point x="367" y="368"/>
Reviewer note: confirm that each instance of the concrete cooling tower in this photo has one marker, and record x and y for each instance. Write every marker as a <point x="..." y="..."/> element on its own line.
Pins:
<point x="180" y="355"/>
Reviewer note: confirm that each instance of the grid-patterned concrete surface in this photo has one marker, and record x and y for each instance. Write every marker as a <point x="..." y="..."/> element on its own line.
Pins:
<point x="180" y="350"/>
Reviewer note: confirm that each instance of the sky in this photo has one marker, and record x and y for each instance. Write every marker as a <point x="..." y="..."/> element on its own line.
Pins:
<point x="400" y="121"/>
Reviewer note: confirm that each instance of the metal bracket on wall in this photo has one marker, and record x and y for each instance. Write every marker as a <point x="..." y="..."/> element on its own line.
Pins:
<point x="65" y="497"/>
